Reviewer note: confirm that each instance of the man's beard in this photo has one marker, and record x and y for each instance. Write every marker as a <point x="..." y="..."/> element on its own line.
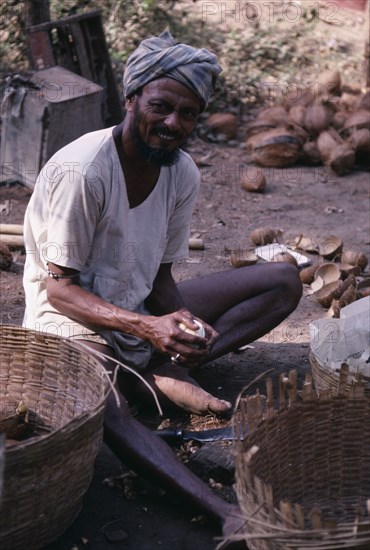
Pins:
<point x="155" y="155"/>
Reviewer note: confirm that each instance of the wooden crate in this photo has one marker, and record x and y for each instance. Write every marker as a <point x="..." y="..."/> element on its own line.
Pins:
<point x="78" y="44"/>
<point x="41" y="114"/>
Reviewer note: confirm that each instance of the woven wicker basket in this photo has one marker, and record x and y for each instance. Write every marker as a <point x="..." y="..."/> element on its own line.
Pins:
<point x="326" y="379"/>
<point x="46" y="477"/>
<point x="303" y="469"/>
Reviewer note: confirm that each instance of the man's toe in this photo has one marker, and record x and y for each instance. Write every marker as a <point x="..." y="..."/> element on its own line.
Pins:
<point x="220" y="407"/>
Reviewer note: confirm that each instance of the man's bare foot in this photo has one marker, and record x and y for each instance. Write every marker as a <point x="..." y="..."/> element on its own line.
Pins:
<point x="173" y="385"/>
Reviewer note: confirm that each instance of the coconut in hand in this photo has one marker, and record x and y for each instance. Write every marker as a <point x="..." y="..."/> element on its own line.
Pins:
<point x="197" y="332"/>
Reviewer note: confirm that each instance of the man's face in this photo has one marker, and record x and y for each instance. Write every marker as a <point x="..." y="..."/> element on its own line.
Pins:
<point x="165" y="113"/>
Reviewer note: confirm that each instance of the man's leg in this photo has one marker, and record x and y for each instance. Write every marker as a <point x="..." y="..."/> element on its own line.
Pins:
<point x="147" y="454"/>
<point x="242" y="305"/>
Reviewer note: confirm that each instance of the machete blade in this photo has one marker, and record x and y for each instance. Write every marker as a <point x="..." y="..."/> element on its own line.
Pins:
<point x="204" y="436"/>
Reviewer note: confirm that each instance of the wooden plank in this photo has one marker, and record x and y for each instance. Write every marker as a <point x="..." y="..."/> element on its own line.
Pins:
<point x="81" y="52"/>
<point x="40" y="51"/>
<point x="47" y="26"/>
<point x="102" y="69"/>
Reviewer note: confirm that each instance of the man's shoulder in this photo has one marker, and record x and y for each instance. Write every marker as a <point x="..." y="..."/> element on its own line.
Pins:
<point x="85" y="147"/>
<point x="186" y="164"/>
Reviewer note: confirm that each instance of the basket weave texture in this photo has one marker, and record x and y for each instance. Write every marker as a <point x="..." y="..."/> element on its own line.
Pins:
<point x="303" y="469"/>
<point x="326" y="379"/>
<point x="46" y="477"/>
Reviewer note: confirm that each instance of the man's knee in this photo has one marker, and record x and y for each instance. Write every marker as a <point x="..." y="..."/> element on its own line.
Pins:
<point x="288" y="280"/>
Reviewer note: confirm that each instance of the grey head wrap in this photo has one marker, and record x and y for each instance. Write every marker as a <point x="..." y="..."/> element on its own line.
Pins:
<point x="162" y="57"/>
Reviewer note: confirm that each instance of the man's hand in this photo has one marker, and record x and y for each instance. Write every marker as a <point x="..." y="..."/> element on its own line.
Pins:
<point x="166" y="335"/>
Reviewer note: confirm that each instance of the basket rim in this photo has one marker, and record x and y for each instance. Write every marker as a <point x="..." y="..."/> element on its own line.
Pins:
<point x="79" y="418"/>
<point x="254" y="493"/>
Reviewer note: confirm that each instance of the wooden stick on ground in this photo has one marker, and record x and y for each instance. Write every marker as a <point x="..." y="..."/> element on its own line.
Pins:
<point x="11" y="228"/>
<point x="16" y="241"/>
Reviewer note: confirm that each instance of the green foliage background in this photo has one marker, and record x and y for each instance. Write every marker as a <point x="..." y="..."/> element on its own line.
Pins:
<point x="255" y="54"/>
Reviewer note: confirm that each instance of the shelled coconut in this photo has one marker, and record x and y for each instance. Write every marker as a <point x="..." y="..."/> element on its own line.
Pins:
<point x="223" y="123"/>
<point x="318" y="116"/>
<point x="326" y="124"/>
<point x="275" y="148"/>
<point x="329" y="82"/>
<point x="253" y="181"/>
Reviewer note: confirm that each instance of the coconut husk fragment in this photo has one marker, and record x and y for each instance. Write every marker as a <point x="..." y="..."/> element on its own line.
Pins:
<point x="348" y="296"/>
<point x="363" y="288"/>
<point x="325" y="295"/>
<point x="334" y="310"/>
<point x="348" y="269"/>
<point x="350" y="281"/>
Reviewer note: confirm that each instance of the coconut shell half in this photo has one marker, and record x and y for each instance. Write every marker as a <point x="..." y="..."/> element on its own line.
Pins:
<point x="325" y="273"/>
<point x="330" y="247"/>
<point x="242" y="258"/>
<point x="307" y="274"/>
<point x="354" y="258"/>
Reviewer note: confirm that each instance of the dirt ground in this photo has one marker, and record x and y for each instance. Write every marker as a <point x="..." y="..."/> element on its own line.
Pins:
<point x="297" y="200"/>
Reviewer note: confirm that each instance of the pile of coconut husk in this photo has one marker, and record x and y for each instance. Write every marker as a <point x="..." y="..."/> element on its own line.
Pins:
<point x="328" y="123"/>
<point x="336" y="276"/>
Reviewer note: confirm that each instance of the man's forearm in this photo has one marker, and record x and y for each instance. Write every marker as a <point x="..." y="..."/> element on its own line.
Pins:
<point x="87" y="308"/>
